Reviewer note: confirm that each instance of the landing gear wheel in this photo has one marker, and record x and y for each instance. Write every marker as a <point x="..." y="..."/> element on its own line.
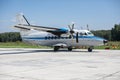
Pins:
<point x="69" y="48"/>
<point x="56" y="48"/>
<point x="89" y="49"/>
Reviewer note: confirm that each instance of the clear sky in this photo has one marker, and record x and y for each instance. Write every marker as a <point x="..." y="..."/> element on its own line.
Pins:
<point x="98" y="14"/>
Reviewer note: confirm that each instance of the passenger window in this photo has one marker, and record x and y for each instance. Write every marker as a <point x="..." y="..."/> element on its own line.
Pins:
<point x="49" y="37"/>
<point x="55" y="37"/>
<point x="81" y="34"/>
<point x="45" y="37"/>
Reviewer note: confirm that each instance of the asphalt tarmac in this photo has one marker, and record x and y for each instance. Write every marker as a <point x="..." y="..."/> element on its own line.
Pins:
<point x="45" y="64"/>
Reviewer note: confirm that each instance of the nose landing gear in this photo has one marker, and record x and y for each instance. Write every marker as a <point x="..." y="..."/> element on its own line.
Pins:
<point x="90" y="49"/>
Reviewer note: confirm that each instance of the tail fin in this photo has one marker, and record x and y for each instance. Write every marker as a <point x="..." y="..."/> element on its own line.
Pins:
<point x="21" y="19"/>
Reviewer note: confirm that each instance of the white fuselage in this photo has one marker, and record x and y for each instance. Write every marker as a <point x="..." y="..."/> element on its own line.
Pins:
<point x="85" y="38"/>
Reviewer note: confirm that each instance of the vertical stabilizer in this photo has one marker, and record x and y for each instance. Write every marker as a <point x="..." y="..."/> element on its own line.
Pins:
<point x="21" y="19"/>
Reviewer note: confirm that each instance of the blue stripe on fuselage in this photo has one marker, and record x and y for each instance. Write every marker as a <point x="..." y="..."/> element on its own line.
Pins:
<point x="92" y="37"/>
<point x="52" y="38"/>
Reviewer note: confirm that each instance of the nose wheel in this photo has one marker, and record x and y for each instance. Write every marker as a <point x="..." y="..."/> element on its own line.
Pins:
<point x="89" y="49"/>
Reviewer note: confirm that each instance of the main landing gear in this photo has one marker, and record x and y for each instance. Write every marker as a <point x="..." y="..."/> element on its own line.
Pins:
<point x="56" y="48"/>
<point x="70" y="48"/>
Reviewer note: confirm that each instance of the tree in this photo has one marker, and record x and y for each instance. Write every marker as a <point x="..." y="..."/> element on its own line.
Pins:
<point x="10" y="37"/>
<point x="103" y="33"/>
<point x="115" y="32"/>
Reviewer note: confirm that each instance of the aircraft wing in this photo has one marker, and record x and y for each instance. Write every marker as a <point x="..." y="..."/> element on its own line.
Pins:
<point x="55" y="31"/>
<point x="24" y="24"/>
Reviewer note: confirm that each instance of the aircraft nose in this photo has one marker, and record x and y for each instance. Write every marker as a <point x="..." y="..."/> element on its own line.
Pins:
<point x="105" y="41"/>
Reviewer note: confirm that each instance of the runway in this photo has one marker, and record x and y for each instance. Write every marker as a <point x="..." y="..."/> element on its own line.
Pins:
<point x="45" y="64"/>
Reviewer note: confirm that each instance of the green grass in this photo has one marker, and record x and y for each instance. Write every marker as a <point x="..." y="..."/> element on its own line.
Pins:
<point x="111" y="45"/>
<point x="19" y="45"/>
<point x="114" y="45"/>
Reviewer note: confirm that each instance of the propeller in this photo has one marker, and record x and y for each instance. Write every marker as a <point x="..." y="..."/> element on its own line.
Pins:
<point x="71" y="29"/>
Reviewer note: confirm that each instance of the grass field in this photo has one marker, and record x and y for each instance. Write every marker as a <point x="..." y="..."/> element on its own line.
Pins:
<point x="115" y="45"/>
<point x="110" y="45"/>
<point x="19" y="45"/>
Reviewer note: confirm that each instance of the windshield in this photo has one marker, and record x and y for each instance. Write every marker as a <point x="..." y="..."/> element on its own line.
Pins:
<point x="83" y="33"/>
<point x="89" y="33"/>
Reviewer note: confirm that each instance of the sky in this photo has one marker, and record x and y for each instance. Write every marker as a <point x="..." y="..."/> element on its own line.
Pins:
<point x="98" y="14"/>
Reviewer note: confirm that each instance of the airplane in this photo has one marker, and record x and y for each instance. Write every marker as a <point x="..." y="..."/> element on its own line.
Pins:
<point x="57" y="37"/>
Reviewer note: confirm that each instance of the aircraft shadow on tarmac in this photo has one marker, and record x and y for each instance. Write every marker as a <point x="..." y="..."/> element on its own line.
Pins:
<point x="38" y="51"/>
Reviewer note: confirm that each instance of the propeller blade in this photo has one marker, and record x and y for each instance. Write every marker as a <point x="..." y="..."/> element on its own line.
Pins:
<point x="77" y="38"/>
<point x="71" y="30"/>
<point x="72" y="26"/>
<point x="69" y="27"/>
<point x="87" y="27"/>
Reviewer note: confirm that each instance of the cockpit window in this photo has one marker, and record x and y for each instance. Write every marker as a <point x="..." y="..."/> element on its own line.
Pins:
<point x="83" y="33"/>
<point x="86" y="33"/>
<point x="89" y="33"/>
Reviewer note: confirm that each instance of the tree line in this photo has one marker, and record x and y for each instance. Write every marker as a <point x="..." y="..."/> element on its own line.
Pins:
<point x="103" y="33"/>
<point x="111" y="35"/>
<point x="115" y="32"/>
<point x="10" y="37"/>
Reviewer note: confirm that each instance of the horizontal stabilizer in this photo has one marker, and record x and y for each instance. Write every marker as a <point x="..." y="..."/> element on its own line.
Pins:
<point x="20" y="27"/>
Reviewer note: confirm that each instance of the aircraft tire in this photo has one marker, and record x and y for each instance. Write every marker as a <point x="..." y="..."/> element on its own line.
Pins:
<point x="89" y="49"/>
<point x="56" y="48"/>
<point x="70" y="48"/>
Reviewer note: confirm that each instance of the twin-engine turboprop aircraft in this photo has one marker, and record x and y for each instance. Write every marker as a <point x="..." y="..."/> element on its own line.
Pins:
<point x="57" y="37"/>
